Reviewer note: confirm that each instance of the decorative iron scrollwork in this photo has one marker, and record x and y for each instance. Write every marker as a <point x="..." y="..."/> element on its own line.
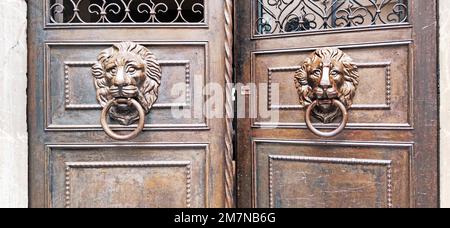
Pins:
<point x="281" y="16"/>
<point x="126" y="11"/>
<point x="326" y="83"/>
<point x="127" y="78"/>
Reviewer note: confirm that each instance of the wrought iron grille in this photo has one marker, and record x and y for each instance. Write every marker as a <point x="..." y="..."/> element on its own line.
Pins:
<point x="88" y="12"/>
<point x="286" y="16"/>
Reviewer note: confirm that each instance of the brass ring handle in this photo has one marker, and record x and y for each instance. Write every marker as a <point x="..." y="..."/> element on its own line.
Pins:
<point x="130" y="102"/>
<point x="332" y="133"/>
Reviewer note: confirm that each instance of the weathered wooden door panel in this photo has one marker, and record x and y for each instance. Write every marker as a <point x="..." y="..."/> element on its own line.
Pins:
<point x="183" y="63"/>
<point x="165" y="175"/>
<point x="387" y="154"/>
<point x="73" y="163"/>
<point x="383" y="67"/>
<point x="319" y="174"/>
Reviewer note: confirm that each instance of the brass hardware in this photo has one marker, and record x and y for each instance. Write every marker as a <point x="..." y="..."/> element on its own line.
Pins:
<point x="127" y="77"/>
<point x="332" y="133"/>
<point x="326" y="83"/>
<point x="129" y="102"/>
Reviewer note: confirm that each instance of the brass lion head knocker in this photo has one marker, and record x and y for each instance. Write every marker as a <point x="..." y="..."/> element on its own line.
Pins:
<point x="127" y="77"/>
<point x="326" y="84"/>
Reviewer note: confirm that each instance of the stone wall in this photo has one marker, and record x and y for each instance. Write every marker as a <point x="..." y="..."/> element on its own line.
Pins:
<point x="13" y="100"/>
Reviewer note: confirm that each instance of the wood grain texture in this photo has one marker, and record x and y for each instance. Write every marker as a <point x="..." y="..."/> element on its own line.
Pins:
<point x="185" y="50"/>
<point x="408" y="114"/>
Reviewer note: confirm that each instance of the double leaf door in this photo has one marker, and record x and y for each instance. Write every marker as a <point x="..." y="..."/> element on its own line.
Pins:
<point x="131" y="103"/>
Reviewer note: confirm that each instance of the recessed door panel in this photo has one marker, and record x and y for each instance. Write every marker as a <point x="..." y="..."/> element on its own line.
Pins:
<point x="171" y="175"/>
<point x="71" y="94"/>
<point x="383" y="91"/>
<point x="317" y="174"/>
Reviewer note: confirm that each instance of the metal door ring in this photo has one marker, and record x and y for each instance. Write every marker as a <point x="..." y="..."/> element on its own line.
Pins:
<point x="332" y="133"/>
<point x="130" y="102"/>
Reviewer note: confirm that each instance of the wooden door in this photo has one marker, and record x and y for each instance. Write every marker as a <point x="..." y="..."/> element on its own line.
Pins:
<point x="387" y="155"/>
<point x="177" y="160"/>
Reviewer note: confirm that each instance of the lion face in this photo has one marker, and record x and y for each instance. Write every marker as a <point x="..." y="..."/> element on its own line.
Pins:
<point x="326" y="75"/>
<point x="127" y="70"/>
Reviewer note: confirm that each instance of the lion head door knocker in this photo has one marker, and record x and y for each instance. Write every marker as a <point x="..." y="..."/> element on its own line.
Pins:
<point x="127" y="77"/>
<point x="326" y="84"/>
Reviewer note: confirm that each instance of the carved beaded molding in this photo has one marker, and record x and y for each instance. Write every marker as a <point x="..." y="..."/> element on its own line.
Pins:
<point x="69" y="104"/>
<point x="386" y="66"/>
<point x="90" y="165"/>
<point x="367" y="162"/>
<point x="287" y="16"/>
<point x="122" y="12"/>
